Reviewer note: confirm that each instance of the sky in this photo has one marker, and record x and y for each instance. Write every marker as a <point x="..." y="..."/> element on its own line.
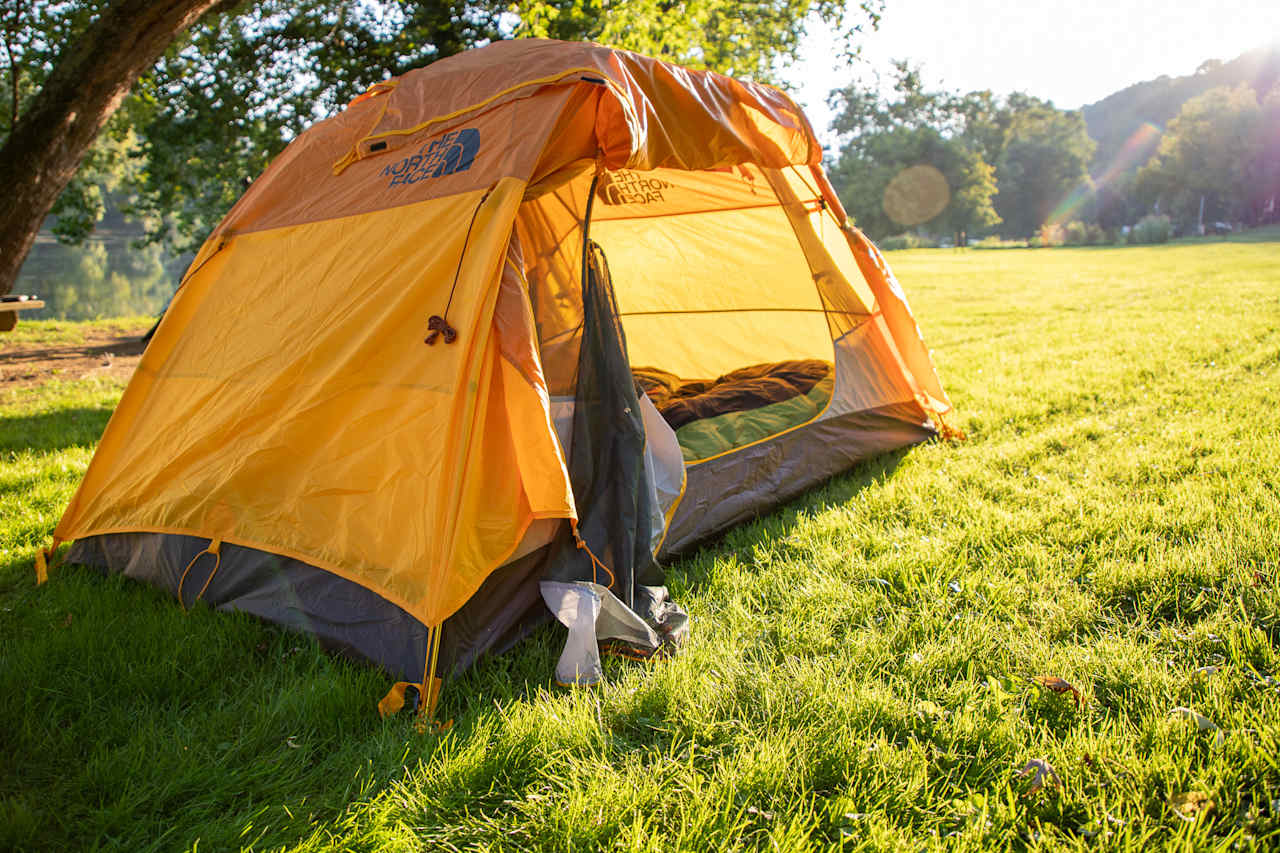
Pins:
<point x="1073" y="53"/>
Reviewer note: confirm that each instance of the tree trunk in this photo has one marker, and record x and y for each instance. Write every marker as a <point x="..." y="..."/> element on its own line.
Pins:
<point x="88" y="84"/>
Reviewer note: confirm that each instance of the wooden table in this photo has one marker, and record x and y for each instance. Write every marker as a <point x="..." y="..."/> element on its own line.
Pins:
<point x="9" y="311"/>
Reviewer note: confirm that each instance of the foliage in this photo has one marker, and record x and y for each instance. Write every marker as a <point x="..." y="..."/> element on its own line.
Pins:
<point x="1114" y="204"/>
<point x="234" y="90"/>
<point x="861" y="663"/>
<point x="1045" y="157"/>
<point x="1077" y="233"/>
<point x="104" y="276"/>
<point x="1221" y="148"/>
<point x="1007" y="160"/>
<point x="988" y="118"/>
<point x="1154" y="228"/>
<point x="995" y="241"/>
<point x="1118" y="121"/>
<point x="32" y="34"/>
<point x="1073" y="233"/>
<point x="1042" y="154"/>
<point x="1048" y="236"/>
<point x="881" y="138"/>
<point x="741" y="38"/>
<point x="906" y="240"/>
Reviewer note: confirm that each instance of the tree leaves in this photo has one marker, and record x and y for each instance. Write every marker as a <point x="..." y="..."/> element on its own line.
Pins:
<point x="884" y="138"/>
<point x="1007" y="159"/>
<point x="228" y="95"/>
<point x="741" y="38"/>
<point x="1223" y="147"/>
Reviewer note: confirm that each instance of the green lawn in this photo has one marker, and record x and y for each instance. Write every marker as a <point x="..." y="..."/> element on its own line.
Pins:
<point x="859" y="672"/>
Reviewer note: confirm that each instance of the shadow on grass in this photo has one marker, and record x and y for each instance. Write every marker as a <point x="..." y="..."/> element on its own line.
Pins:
<point x="122" y="346"/>
<point x="49" y="432"/>
<point x="129" y="724"/>
<point x="518" y="674"/>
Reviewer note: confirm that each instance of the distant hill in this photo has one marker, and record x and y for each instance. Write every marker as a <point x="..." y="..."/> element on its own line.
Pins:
<point x="1119" y="117"/>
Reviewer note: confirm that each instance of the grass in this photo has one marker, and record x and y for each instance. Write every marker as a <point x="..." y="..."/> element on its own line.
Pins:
<point x="858" y="676"/>
<point x="1262" y="234"/>
<point x="63" y="332"/>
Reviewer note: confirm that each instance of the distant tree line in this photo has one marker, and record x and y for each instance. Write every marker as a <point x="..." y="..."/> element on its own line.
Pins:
<point x="1018" y="167"/>
<point x="1219" y="160"/>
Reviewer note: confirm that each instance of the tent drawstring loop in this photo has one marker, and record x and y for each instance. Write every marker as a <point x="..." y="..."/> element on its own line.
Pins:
<point x="215" y="548"/>
<point x="596" y="563"/>
<point x="46" y="560"/>
<point x="438" y="324"/>
<point x="946" y="431"/>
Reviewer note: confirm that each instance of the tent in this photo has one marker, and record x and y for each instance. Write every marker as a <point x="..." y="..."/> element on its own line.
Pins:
<point x="491" y="344"/>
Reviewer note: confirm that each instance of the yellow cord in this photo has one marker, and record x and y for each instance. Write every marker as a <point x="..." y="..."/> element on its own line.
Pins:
<point x="47" y="559"/>
<point x="215" y="548"/>
<point x="595" y="561"/>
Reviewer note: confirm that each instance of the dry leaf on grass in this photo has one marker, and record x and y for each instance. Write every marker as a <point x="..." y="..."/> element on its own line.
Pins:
<point x="1042" y="774"/>
<point x="1190" y="803"/>
<point x="1059" y="685"/>
<point x="1203" y="723"/>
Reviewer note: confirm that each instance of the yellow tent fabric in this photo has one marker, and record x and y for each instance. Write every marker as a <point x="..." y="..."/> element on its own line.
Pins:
<point x="289" y="402"/>
<point x="314" y="422"/>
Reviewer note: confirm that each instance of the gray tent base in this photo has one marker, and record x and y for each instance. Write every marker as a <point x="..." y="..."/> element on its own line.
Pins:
<point x="349" y="619"/>
<point x="730" y="489"/>
<point x="345" y="618"/>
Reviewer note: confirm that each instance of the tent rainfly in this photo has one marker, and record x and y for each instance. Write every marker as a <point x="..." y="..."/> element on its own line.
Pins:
<point x="489" y="345"/>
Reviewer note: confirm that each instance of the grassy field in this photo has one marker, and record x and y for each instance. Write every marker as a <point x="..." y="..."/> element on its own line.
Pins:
<point x="861" y="669"/>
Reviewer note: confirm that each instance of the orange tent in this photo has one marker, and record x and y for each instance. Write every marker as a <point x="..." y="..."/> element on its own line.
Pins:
<point x="371" y="408"/>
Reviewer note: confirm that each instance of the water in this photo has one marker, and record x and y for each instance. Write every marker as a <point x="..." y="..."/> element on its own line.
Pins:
<point x="107" y="276"/>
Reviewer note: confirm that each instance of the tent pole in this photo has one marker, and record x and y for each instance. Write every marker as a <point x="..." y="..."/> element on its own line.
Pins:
<point x="586" y="230"/>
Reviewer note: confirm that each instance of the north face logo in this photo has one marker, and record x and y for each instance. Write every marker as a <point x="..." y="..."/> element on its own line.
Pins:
<point x="453" y="152"/>
<point x="627" y="187"/>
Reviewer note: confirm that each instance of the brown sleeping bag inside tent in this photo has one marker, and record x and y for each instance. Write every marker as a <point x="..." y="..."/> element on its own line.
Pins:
<point x="712" y="416"/>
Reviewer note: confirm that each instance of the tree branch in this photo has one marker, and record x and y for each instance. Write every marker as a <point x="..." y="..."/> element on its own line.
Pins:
<point x="92" y="76"/>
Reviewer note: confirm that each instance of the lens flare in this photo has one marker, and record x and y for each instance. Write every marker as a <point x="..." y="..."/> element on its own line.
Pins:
<point x="1140" y="145"/>
<point x="915" y="195"/>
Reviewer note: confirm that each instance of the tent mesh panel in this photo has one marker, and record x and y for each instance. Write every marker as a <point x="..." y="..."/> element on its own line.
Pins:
<point x="606" y="456"/>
